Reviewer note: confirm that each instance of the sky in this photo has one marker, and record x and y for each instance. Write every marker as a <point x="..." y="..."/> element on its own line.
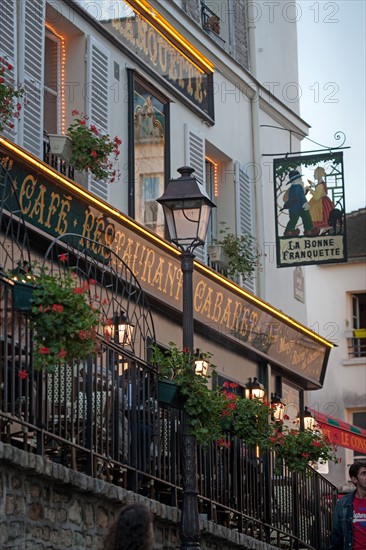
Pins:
<point x="332" y="75"/>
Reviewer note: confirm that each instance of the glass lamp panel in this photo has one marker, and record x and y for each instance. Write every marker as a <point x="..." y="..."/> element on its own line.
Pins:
<point x="205" y="218"/>
<point x="186" y="224"/>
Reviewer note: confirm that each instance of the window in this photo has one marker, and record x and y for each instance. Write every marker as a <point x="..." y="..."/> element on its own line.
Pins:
<point x="148" y="172"/>
<point x="357" y="343"/>
<point x="359" y="419"/>
<point x="237" y="389"/>
<point x="51" y="101"/>
<point x="211" y="176"/>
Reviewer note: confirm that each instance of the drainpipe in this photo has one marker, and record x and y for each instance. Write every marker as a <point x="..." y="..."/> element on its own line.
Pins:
<point x="256" y="157"/>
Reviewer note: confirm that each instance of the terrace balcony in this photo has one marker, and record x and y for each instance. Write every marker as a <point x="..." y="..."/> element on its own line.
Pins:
<point x="102" y="417"/>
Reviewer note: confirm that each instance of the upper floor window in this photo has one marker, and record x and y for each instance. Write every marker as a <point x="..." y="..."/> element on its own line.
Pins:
<point x="357" y="342"/>
<point x="359" y="420"/>
<point x="52" y="84"/>
<point x="147" y="174"/>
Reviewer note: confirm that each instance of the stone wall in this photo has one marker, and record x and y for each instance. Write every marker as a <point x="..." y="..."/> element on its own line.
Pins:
<point x="45" y="506"/>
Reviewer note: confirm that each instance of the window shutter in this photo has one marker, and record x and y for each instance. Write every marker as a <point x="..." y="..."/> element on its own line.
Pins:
<point x="97" y="107"/>
<point x="8" y="52"/>
<point x="244" y="214"/>
<point x="32" y="30"/>
<point x="195" y="158"/>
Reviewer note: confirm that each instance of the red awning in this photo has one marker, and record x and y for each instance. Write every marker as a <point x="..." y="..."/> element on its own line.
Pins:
<point x="341" y="433"/>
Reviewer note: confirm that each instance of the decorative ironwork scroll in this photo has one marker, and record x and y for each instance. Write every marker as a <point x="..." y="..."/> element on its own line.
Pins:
<point x="310" y="209"/>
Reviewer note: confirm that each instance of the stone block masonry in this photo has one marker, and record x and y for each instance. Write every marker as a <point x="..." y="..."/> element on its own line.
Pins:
<point x="45" y="506"/>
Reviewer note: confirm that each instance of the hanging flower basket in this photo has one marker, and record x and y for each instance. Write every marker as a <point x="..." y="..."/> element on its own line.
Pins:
<point x="61" y="145"/>
<point x="22" y="296"/>
<point x="168" y="394"/>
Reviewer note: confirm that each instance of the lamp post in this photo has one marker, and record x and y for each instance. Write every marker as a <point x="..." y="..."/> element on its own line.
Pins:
<point x="187" y="210"/>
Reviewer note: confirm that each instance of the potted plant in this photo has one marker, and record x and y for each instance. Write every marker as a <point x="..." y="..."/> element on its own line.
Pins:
<point x="238" y="254"/>
<point x="91" y="149"/>
<point x="203" y="406"/>
<point x="64" y="319"/>
<point x="10" y="97"/>
<point x="249" y="419"/>
<point x="297" y="449"/>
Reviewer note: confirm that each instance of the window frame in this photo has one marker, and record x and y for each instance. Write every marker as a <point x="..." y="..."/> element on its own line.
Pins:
<point x="46" y="89"/>
<point x="132" y="78"/>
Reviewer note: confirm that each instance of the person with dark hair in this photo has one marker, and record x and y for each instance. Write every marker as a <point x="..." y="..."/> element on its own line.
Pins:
<point x="349" y="516"/>
<point x="132" y="530"/>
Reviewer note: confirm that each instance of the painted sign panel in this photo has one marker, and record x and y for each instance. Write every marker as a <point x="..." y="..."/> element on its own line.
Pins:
<point x="173" y="65"/>
<point x="310" y="210"/>
<point x="58" y="209"/>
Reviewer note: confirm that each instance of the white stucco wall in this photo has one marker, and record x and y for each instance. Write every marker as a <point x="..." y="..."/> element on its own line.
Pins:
<point x="328" y="290"/>
<point x="276" y="48"/>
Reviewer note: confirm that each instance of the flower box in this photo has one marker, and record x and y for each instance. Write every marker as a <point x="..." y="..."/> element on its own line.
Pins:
<point x="60" y="145"/>
<point x="218" y="255"/>
<point x="22" y="296"/>
<point x="168" y="394"/>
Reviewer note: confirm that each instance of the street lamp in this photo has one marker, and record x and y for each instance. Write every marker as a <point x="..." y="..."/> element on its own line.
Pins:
<point x="200" y="363"/>
<point x="121" y="329"/>
<point x="254" y="389"/>
<point x="306" y="420"/>
<point x="278" y="408"/>
<point x="309" y="420"/>
<point x="187" y="209"/>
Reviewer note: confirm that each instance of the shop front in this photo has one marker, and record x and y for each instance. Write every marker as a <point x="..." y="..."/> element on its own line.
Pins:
<point x="243" y="333"/>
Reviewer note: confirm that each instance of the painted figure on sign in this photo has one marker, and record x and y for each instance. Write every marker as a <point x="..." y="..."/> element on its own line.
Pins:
<point x="298" y="207"/>
<point x="320" y="204"/>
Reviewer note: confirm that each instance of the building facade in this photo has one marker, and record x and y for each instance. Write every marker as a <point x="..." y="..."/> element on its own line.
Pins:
<point x="340" y="404"/>
<point x="208" y="85"/>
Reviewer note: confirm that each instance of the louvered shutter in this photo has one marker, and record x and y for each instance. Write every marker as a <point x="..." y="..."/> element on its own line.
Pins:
<point x="32" y="31"/>
<point x="8" y="52"/>
<point x="244" y="214"/>
<point x="195" y="158"/>
<point x="97" y="102"/>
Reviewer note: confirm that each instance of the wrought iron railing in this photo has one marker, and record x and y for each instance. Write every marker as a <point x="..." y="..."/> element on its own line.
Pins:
<point x="102" y="417"/>
<point x="211" y="23"/>
<point x="356" y="343"/>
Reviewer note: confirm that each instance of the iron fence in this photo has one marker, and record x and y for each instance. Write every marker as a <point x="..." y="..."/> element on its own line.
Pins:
<point x="102" y="417"/>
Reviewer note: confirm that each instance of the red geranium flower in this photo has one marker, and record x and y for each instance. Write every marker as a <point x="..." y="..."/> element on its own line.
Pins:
<point x="78" y="290"/>
<point x="22" y="374"/>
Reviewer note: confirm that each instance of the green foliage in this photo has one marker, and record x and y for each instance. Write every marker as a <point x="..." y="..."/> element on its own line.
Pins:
<point x="241" y="252"/>
<point x="91" y="149"/>
<point x="204" y="406"/>
<point x="214" y="413"/>
<point x="8" y="94"/>
<point x="251" y="421"/>
<point x="299" y="448"/>
<point x="64" y="320"/>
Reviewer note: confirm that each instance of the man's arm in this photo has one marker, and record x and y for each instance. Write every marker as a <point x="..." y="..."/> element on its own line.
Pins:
<point x="336" y="542"/>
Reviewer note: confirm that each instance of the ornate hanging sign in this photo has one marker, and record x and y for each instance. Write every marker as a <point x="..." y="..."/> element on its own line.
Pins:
<point x="310" y="209"/>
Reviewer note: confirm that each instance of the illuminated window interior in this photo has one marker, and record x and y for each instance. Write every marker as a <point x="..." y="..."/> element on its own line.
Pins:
<point x="54" y="82"/>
